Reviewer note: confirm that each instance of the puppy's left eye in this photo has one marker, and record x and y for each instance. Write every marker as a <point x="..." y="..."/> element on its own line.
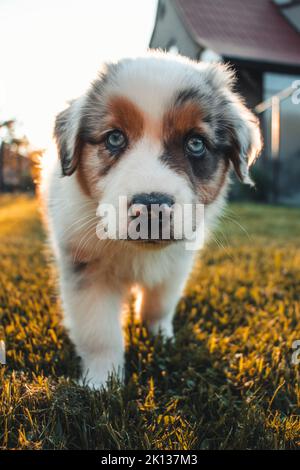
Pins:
<point x="195" y="146"/>
<point x="115" y="140"/>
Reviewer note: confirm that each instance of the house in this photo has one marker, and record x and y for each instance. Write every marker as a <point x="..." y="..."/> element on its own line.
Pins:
<point x="17" y="172"/>
<point x="261" y="39"/>
<point x="17" y="169"/>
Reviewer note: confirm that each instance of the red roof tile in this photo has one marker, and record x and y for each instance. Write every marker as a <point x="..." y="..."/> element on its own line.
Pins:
<point x="252" y="30"/>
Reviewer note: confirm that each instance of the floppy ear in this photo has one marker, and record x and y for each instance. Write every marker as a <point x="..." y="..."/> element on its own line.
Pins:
<point x="242" y="125"/>
<point x="245" y="138"/>
<point x="67" y="136"/>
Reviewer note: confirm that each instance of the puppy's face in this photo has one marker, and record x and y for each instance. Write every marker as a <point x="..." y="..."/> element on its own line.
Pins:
<point x="159" y="130"/>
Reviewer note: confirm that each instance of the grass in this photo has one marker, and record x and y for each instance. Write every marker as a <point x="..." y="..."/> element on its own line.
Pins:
<point x="226" y="383"/>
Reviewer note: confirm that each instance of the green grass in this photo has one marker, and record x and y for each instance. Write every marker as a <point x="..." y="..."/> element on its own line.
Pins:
<point x="227" y="381"/>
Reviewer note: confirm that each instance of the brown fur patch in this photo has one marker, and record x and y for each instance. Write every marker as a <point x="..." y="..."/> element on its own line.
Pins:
<point x="124" y="115"/>
<point x="83" y="179"/>
<point x="95" y="161"/>
<point x="181" y="119"/>
<point x="210" y="189"/>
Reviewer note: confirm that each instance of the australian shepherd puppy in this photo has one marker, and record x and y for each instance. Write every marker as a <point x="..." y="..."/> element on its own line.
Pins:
<point x="157" y="130"/>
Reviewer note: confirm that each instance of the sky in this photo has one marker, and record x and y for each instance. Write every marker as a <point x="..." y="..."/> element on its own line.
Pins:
<point x="52" y="49"/>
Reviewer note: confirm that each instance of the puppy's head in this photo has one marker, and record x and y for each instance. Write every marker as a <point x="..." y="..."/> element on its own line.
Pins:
<point x="158" y="129"/>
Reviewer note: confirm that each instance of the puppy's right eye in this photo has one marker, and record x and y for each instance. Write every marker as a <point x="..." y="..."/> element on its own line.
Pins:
<point x="115" y="141"/>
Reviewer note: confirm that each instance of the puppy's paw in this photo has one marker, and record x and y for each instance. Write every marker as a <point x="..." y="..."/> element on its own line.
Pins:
<point x="163" y="327"/>
<point x="97" y="371"/>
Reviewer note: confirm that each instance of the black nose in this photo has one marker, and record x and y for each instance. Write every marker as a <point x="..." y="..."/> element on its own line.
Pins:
<point x="148" y="199"/>
<point x="158" y="210"/>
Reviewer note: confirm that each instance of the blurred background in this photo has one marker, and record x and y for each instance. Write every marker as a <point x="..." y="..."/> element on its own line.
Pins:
<point x="50" y="50"/>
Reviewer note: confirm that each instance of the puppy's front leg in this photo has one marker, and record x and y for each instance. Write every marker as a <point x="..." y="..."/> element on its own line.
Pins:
<point x="93" y="317"/>
<point x="158" y="307"/>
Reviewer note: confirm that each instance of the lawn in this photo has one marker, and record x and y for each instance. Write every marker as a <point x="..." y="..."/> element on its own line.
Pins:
<point x="228" y="381"/>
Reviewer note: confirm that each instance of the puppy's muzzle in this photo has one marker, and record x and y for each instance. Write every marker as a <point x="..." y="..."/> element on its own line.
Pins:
<point x="154" y="210"/>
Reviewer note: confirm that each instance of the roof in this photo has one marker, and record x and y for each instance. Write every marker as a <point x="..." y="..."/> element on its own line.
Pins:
<point x="252" y="30"/>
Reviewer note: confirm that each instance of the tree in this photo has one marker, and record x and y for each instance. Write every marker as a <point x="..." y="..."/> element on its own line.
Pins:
<point x="17" y="155"/>
<point x="9" y="126"/>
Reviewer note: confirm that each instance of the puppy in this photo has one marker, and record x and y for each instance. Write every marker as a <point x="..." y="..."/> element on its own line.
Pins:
<point x="154" y="130"/>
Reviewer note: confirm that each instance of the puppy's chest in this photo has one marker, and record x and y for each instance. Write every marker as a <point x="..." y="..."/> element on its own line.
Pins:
<point x="150" y="268"/>
<point x="140" y="267"/>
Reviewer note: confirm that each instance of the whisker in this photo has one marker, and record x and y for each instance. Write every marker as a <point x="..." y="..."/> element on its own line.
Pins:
<point x="83" y="240"/>
<point x="243" y="229"/>
<point x="82" y="219"/>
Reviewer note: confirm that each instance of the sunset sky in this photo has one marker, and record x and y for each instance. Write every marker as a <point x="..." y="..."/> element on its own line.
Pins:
<point x="51" y="50"/>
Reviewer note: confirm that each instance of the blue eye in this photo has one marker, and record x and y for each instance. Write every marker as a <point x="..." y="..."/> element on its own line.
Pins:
<point x="115" y="140"/>
<point x="195" y="146"/>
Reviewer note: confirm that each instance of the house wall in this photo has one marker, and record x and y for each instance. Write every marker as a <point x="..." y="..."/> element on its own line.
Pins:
<point x="169" y="31"/>
<point x="292" y="13"/>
